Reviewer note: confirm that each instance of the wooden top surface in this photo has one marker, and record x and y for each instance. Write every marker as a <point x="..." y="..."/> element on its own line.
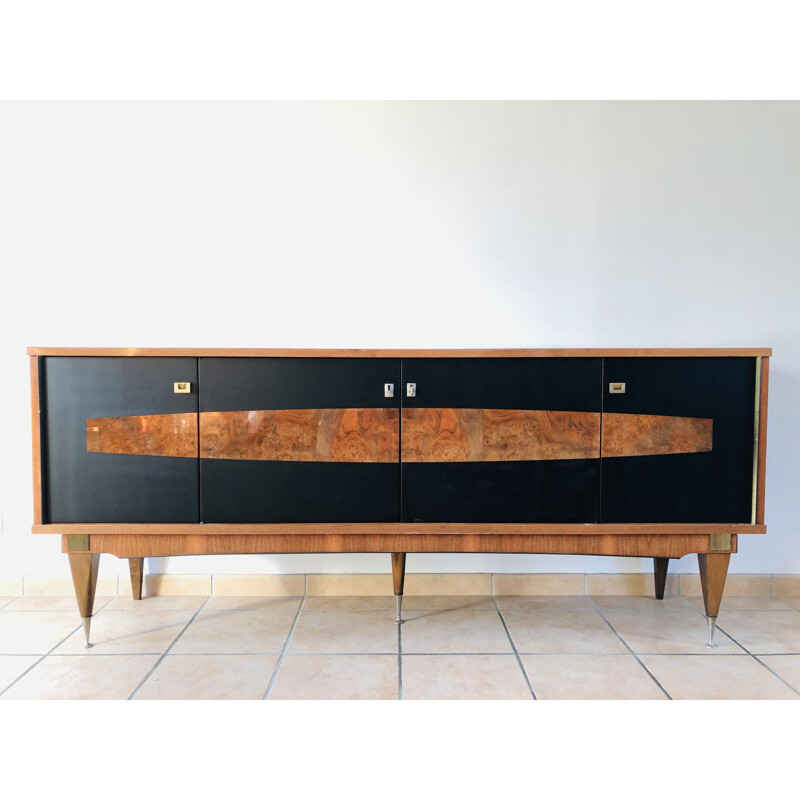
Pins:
<point x="598" y="352"/>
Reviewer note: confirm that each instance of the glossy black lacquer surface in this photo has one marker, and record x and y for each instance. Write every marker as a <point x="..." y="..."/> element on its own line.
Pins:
<point x="693" y="487"/>
<point x="510" y="491"/>
<point x="102" y="487"/>
<point x="714" y="486"/>
<point x="287" y="491"/>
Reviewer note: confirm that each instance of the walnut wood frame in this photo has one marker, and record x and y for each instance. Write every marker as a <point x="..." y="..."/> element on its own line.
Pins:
<point x="658" y="541"/>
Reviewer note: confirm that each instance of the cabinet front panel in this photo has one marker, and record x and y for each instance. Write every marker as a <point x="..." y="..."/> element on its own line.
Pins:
<point x="299" y="440"/>
<point x="119" y="444"/>
<point x="691" y="422"/>
<point x="501" y="440"/>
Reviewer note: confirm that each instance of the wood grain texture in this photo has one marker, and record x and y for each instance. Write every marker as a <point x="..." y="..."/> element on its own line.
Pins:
<point x="347" y="435"/>
<point x="398" y="572"/>
<point x="145" y="435"/>
<point x="370" y="435"/>
<point x="761" y="479"/>
<point x="36" y="431"/>
<point x="673" y="546"/>
<point x="713" y="572"/>
<point x="136" y="567"/>
<point x="84" y="568"/>
<point x="245" y="352"/>
<point x="399" y="528"/>
<point x="490" y="434"/>
<point x="654" y="435"/>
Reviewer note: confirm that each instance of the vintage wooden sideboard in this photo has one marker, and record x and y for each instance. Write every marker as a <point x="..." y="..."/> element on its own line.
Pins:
<point x="165" y="452"/>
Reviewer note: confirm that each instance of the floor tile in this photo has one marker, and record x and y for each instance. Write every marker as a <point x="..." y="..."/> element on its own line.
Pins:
<point x="690" y="677"/>
<point x="472" y="583"/>
<point x="82" y="678"/>
<point x="454" y="631"/>
<point x="11" y="587"/>
<point x="743" y="603"/>
<point x="263" y="603"/>
<point x="336" y="677"/>
<point x="543" y="602"/>
<point x="156" y="584"/>
<point x="23" y="632"/>
<point x="210" y="677"/>
<point x="348" y="585"/>
<point x="44" y="603"/>
<point x="464" y="677"/>
<point x="630" y="583"/>
<point x="52" y="586"/>
<point x="118" y="632"/>
<point x="233" y="632"/>
<point x="786" y="585"/>
<point x="157" y="603"/>
<point x="434" y="602"/>
<point x="561" y="631"/>
<point x="764" y="631"/>
<point x="590" y="677"/>
<point x="552" y="583"/>
<point x="639" y="603"/>
<point x="345" y="632"/>
<point x="375" y="602"/>
<point x="259" y="585"/>
<point x="790" y="600"/>
<point x="674" y="631"/>
<point x="5" y="601"/>
<point x="11" y="667"/>
<point x="788" y="667"/>
<point x="735" y="584"/>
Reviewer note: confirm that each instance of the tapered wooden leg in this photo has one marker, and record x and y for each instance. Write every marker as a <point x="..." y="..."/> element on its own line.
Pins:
<point x="84" y="577"/>
<point x="713" y="571"/>
<point x="660" y="566"/>
<point x="398" y="579"/>
<point x="136" y="566"/>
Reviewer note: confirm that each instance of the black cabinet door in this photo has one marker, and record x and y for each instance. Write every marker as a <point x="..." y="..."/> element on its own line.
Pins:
<point x="119" y="444"/>
<point x="501" y="440"/>
<point x="299" y="440"/>
<point x="678" y="443"/>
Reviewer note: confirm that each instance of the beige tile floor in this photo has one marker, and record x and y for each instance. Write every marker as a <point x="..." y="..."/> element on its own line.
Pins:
<point x="449" y="647"/>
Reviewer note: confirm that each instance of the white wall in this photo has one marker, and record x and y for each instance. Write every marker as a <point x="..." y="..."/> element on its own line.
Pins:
<point x="386" y="224"/>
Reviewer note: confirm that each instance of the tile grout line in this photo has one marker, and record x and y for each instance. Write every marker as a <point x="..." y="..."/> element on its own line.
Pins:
<point x="753" y="655"/>
<point x="166" y="652"/>
<point x="282" y="655"/>
<point x="514" y="648"/>
<point x="49" y="652"/>
<point x="39" y="661"/>
<point x="630" y="650"/>
<point x="400" y="661"/>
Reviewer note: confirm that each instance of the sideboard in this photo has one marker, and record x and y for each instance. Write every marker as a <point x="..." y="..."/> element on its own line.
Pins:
<point x="653" y="453"/>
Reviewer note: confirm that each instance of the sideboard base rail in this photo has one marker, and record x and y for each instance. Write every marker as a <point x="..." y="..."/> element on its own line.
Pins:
<point x="643" y="546"/>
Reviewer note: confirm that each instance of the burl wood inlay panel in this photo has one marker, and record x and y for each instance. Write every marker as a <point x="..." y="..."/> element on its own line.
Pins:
<point x="372" y="435"/>
<point x="144" y="435"/>
<point x="492" y="434"/>
<point x="360" y="435"/>
<point x="653" y="435"/>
